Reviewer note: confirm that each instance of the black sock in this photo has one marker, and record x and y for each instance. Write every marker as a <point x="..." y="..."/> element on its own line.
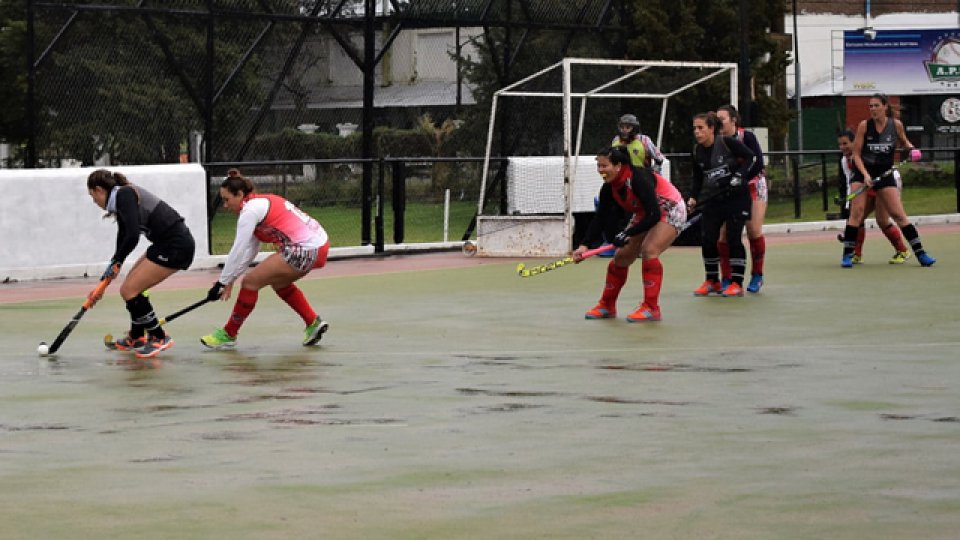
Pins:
<point x="849" y="240"/>
<point x="136" y="329"/>
<point x="143" y="316"/>
<point x="913" y="238"/>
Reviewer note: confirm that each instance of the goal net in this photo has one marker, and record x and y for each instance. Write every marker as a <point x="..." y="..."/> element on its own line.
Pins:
<point x="543" y="135"/>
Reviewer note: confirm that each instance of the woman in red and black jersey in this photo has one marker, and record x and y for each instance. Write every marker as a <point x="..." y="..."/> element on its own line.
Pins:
<point x="656" y="215"/>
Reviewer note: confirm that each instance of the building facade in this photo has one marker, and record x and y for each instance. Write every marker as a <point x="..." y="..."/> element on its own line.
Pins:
<point x="830" y="102"/>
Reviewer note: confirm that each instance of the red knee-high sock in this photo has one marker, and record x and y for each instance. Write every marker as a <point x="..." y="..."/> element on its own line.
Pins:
<point x="758" y="250"/>
<point x="616" y="277"/>
<point x="652" y="280"/>
<point x="246" y="301"/>
<point x="861" y="236"/>
<point x="294" y="298"/>
<point x="895" y="237"/>
<point x="724" y="249"/>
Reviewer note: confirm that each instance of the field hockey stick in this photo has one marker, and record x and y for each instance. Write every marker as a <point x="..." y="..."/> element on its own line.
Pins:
<point x="523" y="271"/>
<point x="92" y="299"/>
<point x="690" y="223"/>
<point x="865" y="187"/>
<point x="698" y="209"/>
<point x="108" y="339"/>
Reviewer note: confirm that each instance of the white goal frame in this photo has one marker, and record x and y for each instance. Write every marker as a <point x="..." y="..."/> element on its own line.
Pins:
<point x="571" y="147"/>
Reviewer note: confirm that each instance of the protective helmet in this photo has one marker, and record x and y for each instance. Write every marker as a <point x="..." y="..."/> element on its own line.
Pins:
<point x="631" y="124"/>
<point x="629" y="120"/>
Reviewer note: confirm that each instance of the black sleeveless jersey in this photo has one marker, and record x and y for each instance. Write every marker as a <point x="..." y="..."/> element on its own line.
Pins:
<point x="878" y="147"/>
<point x="714" y="166"/>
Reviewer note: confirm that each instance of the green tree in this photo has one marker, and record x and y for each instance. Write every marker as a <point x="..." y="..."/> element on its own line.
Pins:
<point x="654" y="30"/>
<point x="710" y="32"/>
<point x="125" y="84"/>
<point x="13" y="83"/>
<point x="531" y="126"/>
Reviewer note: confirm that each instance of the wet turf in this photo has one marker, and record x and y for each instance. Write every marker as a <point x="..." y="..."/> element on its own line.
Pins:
<point x="470" y="403"/>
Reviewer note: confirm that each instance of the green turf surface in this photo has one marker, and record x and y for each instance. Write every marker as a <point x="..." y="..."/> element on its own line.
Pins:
<point x="471" y="403"/>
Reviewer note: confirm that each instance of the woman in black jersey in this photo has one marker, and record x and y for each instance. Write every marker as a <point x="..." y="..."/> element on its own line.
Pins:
<point x="757" y="181"/>
<point x="873" y="148"/>
<point x="137" y="210"/>
<point x="720" y="167"/>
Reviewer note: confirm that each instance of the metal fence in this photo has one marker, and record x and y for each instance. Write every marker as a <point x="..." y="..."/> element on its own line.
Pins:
<point x="424" y="200"/>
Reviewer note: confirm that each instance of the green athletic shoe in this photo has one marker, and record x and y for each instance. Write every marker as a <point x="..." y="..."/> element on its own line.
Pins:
<point x="314" y="332"/>
<point x="219" y="339"/>
<point x="900" y="257"/>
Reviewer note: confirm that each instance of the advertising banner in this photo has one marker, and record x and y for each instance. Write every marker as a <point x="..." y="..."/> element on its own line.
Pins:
<point x="901" y="62"/>
<point x="945" y="113"/>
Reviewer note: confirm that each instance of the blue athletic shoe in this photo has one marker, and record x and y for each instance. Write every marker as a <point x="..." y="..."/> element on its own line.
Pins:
<point x="925" y="259"/>
<point x="756" y="281"/>
<point x="847" y="261"/>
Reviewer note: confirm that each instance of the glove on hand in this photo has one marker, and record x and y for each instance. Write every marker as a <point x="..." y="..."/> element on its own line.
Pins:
<point x="620" y="239"/>
<point x="214" y="293"/>
<point x="112" y="270"/>
<point x="736" y="181"/>
<point x="915" y="154"/>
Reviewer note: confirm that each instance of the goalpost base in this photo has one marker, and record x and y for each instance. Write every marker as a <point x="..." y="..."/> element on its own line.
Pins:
<point x="522" y="236"/>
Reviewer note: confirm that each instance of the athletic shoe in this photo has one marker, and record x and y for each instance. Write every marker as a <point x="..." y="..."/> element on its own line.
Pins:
<point x="724" y="283"/>
<point x="644" y="314"/>
<point x="314" y="332"/>
<point x="857" y="259"/>
<point x="600" y="311"/>
<point x="756" y="281"/>
<point x="733" y="290"/>
<point x="126" y="343"/>
<point x="925" y="259"/>
<point x="708" y="287"/>
<point x="219" y="339"/>
<point x="847" y="261"/>
<point x="900" y="257"/>
<point x="155" y="346"/>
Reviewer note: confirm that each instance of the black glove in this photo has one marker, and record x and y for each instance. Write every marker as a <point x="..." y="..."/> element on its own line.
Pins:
<point x="214" y="293"/>
<point x="620" y="239"/>
<point x="736" y="181"/>
<point x="112" y="270"/>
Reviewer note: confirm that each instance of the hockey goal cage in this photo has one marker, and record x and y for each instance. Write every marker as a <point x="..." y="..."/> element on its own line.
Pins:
<point x="544" y="191"/>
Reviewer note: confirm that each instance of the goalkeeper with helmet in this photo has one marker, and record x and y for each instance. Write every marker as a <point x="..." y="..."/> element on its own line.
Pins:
<point x="642" y="151"/>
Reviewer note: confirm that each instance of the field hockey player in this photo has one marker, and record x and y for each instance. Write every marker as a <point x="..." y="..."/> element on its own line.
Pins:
<point x="172" y="248"/>
<point x="719" y="166"/>
<point x="874" y="145"/>
<point x="656" y="216"/>
<point x="302" y="245"/>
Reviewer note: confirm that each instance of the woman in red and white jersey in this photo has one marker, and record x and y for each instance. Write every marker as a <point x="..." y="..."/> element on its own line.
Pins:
<point x="302" y="245"/>
<point x="657" y="215"/>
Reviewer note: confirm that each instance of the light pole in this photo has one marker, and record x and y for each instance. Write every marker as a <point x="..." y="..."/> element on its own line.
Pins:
<point x="797" y="94"/>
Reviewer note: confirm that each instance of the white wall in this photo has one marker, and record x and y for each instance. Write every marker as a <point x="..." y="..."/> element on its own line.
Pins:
<point x="50" y="227"/>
